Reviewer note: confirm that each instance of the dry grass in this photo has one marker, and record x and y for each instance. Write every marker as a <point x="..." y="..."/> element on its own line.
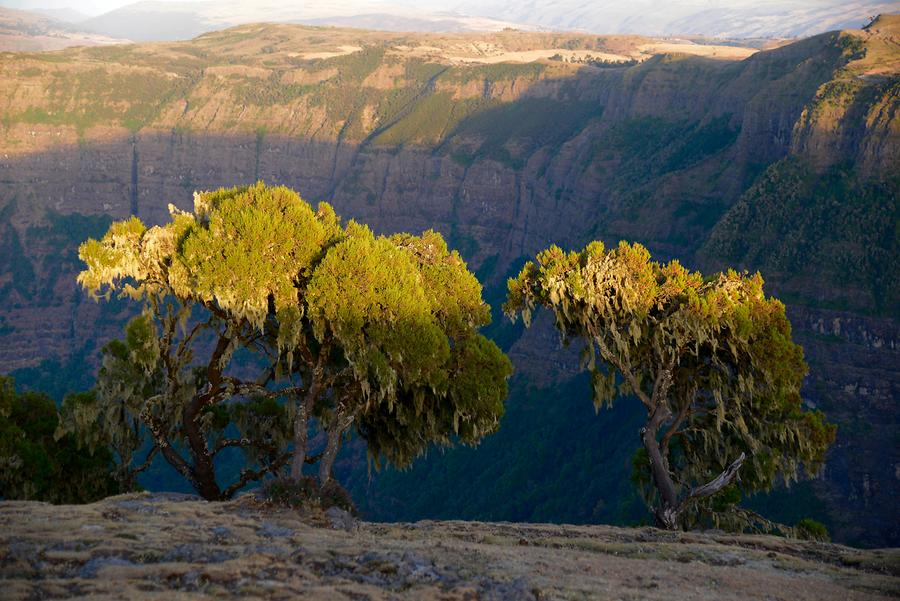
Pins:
<point x="153" y="547"/>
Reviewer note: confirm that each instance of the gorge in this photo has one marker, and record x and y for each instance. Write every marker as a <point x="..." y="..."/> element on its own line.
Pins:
<point x="783" y="160"/>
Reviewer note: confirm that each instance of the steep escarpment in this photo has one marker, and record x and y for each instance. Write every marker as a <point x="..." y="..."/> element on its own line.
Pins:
<point x="598" y="139"/>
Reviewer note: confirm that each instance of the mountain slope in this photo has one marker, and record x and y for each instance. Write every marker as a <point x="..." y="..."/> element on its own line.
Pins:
<point x="505" y="142"/>
<point x="151" y="20"/>
<point x="64" y="14"/>
<point x="24" y="31"/>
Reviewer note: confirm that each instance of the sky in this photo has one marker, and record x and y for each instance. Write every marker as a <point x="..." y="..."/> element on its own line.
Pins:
<point x="88" y="7"/>
<point x="96" y="7"/>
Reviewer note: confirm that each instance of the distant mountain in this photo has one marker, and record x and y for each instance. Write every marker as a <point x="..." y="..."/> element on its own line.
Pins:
<point x="64" y="15"/>
<point x="31" y="32"/>
<point x="739" y="19"/>
<point x="151" y="20"/>
<point x="786" y="22"/>
<point x="154" y="20"/>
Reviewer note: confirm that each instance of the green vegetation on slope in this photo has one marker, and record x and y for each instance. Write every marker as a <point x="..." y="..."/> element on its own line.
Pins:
<point x="509" y="132"/>
<point x="14" y="262"/>
<point x="809" y="231"/>
<point x="532" y="470"/>
<point x="57" y="240"/>
<point x="88" y="98"/>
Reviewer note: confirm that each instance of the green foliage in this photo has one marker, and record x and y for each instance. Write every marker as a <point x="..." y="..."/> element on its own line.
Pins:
<point x="642" y="136"/>
<point x="36" y="466"/>
<point x="345" y="327"/>
<point x="663" y="146"/>
<point x="705" y="140"/>
<point x="495" y="72"/>
<point x="512" y="131"/>
<point x="108" y="416"/>
<point x="711" y="360"/>
<point x="273" y="92"/>
<point x="810" y="529"/>
<point x="424" y="121"/>
<point x="832" y="229"/>
<point x="355" y="66"/>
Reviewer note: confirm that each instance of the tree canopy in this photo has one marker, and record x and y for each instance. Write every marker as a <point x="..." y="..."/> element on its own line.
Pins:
<point x="711" y="360"/>
<point x="264" y="317"/>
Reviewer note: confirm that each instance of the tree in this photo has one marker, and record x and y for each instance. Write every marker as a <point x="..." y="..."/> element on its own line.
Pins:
<point x="711" y="360"/>
<point x="265" y="317"/>
<point x="34" y="464"/>
<point x="108" y="416"/>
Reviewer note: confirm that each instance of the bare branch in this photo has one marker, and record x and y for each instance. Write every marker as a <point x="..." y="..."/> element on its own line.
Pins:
<point x="717" y="483"/>
<point x="147" y="462"/>
<point x="171" y="455"/>
<point x="331" y="380"/>
<point x="248" y="475"/>
<point x="226" y="443"/>
<point x="242" y="388"/>
<point x="683" y="413"/>
<point x="183" y="344"/>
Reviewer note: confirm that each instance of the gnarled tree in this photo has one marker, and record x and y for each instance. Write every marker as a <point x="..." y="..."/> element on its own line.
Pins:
<point x="333" y="326"/>
<point x="711" y="360"/>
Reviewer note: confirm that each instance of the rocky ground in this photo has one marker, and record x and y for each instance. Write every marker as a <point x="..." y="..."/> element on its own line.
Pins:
<point x="165" y="546"/>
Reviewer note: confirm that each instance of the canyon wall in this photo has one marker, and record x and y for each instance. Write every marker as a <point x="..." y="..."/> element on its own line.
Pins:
<point x="502" y="160"/>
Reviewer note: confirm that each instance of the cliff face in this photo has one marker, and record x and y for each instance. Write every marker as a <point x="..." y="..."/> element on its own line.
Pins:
<point x="412" y="132"/>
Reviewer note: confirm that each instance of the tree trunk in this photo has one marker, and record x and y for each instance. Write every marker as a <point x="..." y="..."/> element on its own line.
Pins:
<point x="203" y="470"/>
<point x="126" y="480"/>
<point x="331" y="449"/>
<point x="301" y="422"/>
<point x="301" y="435"/>
<point x="669" y="507"/>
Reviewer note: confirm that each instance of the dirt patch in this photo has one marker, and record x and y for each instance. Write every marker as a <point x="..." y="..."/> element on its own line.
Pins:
<point x="706" y="50"/>
<point x="341" y="51"/>
<point x="238" y="70"/>
<point x="529" y="56"/>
